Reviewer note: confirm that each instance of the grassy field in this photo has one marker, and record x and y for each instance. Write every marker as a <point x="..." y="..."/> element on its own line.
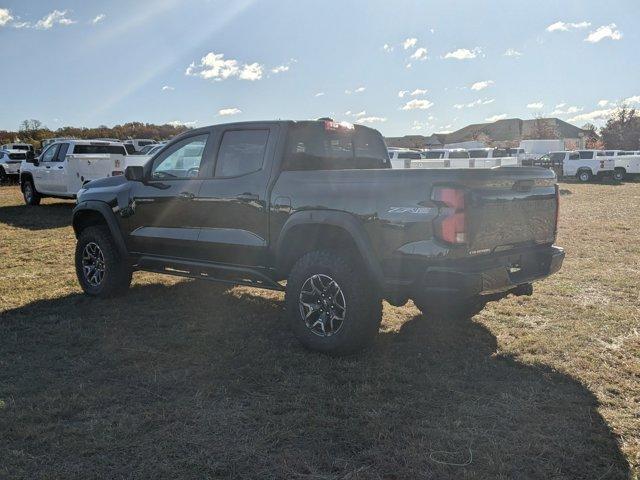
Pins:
<point x="182" y="379"/>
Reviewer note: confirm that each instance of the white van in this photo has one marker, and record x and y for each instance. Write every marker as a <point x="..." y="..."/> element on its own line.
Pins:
<point x="491" y="157"/>
<point x="402" y="157"/>
<point x="443" y="158"/>
<point x="64" y="167"/>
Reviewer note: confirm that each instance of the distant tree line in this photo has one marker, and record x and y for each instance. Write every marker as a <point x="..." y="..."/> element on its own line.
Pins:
<point x="34" y="131"/>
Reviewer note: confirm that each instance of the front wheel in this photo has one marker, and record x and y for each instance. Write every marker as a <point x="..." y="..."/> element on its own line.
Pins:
<point x="584" y="176"/>
<point x="618" y="174"/>
<point x="101" y="270"/>
<point x="331" y="305"/>
<point x="30" y="194"/>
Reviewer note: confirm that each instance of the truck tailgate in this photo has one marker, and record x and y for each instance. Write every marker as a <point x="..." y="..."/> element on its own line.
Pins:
<point x="513" y="208"/>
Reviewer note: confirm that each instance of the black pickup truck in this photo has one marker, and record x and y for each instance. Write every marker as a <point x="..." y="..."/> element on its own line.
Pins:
<point x="316" y="204"/>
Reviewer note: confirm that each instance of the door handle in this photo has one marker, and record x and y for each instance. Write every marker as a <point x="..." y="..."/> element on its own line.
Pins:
<point x="60" y="167"/>
<point x="248" y="197"/>
<point x="186" y="195"/>
<point x="47" y="167"/>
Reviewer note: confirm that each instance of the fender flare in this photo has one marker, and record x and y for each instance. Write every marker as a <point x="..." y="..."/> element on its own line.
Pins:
<point x="343" y="220"/>
<point x="109" y="217"/>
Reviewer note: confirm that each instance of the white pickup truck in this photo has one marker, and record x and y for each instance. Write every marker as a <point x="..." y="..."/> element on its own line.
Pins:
<point x="491" y="157"/>
<point x="443" y="158"/>
<point x="626" y="164"/>
<point x="10" y="161"/>
<point x="64" y="167"/>
<point x="584" y="165"/>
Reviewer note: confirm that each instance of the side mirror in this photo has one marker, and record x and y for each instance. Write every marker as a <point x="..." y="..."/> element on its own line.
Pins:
<point x="31" y="158"/>
<point x="134" y="173"/>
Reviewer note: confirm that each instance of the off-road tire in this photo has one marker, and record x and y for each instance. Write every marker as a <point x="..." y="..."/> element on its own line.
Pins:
<point x="30" y="194"/>
<point x="451" y="307"/>
<point x="363" y="312"/>
<point x="118" y="273"/>
<point x="584" y="176"/>
<point x="619" y="174"/>
<point x="3" y="176"/>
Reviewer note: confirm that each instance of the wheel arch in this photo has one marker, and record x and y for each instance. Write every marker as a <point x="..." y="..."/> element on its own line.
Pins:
<point x="92" y="213"/>
<point x="315" y="230"/>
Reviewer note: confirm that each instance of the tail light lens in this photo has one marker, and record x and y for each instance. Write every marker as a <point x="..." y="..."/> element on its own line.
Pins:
<point x="450" y="226"/>
<point x="557" y="219"/>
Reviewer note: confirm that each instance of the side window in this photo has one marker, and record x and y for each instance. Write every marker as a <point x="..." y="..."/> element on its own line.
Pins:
<point x="62" y="152"/>
<point x="241" y="152"/>
<point x="586" y="155"/>
<point x="574" y="156"/>
<point x="49" y="154"/>
<point x="182" y="161"/>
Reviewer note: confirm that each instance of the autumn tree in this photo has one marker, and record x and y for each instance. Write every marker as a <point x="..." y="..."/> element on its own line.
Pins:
<point x="542" y="129"/>
<point x="622" y="130"/>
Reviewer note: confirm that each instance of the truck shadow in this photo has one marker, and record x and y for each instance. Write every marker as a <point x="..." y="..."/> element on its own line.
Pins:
<point x="41" y="217"/>
<point x="195" y="380"/>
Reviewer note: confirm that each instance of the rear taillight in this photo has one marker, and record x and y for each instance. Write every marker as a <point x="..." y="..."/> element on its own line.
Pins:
<point x="557" y="219"/>
<point x="450" y="226"/>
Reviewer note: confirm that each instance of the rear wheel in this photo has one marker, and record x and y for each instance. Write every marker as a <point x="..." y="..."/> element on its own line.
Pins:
<point x="618" y="174"/>
<point x="30" y="194"/>
<point x="100" y="269"/>
<point x="450" y="307"/>
<point x="584" y="176"/>
<point x="331" y="306"/>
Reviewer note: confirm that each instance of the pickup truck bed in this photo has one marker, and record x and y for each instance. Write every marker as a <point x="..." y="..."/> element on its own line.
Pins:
<point x="317" y="204"/>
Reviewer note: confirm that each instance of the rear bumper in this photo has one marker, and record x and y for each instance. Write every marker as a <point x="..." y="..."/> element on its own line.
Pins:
<point x="491" y="274"/>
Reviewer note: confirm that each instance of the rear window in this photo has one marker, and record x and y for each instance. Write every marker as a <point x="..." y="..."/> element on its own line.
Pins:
<point x="99" y="149"/>
<point x="499" y="153"/>
<point x="410" y="155"/>
<point x="312" y="147"/>
<point x="478" y="153"/>
<point x="241" y="152"/>
<point x="458" y="154"/>
<point x="21" y="147"/>
<point x="586" y="155"/>
<point x="432" y="155"/>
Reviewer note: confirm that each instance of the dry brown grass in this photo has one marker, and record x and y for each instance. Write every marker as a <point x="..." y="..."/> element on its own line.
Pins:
<point x="182" y="379"/>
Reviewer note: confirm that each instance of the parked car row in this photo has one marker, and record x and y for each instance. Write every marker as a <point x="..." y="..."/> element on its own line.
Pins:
<point x="452" y="158"/>
<point x="587" y="165"/>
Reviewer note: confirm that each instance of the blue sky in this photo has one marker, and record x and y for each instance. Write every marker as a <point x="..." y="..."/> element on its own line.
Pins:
<point x="404" y="67"/>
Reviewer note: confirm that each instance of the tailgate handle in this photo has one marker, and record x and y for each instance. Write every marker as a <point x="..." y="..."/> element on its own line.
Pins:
<point x="523" y="185"/>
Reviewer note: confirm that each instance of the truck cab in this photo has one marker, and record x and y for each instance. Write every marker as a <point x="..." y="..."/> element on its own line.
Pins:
<point x="64" y="167"/>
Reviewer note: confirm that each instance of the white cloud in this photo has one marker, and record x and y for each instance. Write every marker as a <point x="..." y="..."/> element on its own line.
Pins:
<point x="409" y="43"/>
<point x="5" y="16"/>
<point x="387" y="48"/>
<point x="417" y="105"/>
<point x="463" y="53"/>
<point x="566" y="26"/>
<point x="319" y="94"/>
<point x="495" y="118"/>
<point x="418" y="91"/>
<point x="602" y="32"/>
<point x="481" y="85"/>
<point x="167" y="88"/>
<point x="280" y="69"/>
<point x="402" y="93"/>
<point x="357" y="90"/>
<point x="178" y="123"/>
<point x="225" y="112"/>
<point x="251" y="72"/>
<point x="535" y="105"/>
<point x="98" y="18"/>
<point x="603" y="103"/>
<point x="420" y="54"/>
<point x="55" y="17"/>
<point x="592" y="116"/>
<point x="560" y="110"/>
<point x="512" y="52"/>
<point x="634" y="99"/>
<point x="475" y="103"/>
<point x="213" y="66"/>
<point x="371" y="120"/>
